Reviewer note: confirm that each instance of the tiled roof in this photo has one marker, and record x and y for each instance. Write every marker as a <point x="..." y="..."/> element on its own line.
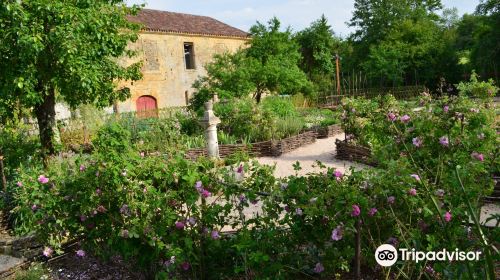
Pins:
<point x="155" y="20"/>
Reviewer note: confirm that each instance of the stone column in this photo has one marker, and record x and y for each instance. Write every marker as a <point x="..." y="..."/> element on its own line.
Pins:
<point x="210" y="122"/>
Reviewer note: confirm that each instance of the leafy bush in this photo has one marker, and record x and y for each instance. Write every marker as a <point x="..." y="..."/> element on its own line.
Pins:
<point x="279" y="106"/>
<point x="475" y="88"/>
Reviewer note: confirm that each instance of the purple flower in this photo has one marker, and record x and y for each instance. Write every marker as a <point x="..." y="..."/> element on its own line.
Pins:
<point x="338" y="174"/>
<point x="439" y="192"/>
<point x="83" y="218"/>
<point x="353" y="110"/>
<point x="287" y="208"/>
<point x="405" y="119"/>
<point x="391" y="199"/>
<point x="185" y="266"/>
<point x="355" y="210"/>
<point x="412" y="192"/>
<point x="47" y="252"/>
<point x="372" y="211"/>
<point x="124" y="233"/>
<point x="444" y="141"/>
<point x="42" y="179"/>
<point x="417" y="142"/>
<point x="19" y="184"/>
<point x="205" y="193"/>
<point x="198" y="186"/>
<point x="477" y="156"/>
<point x="125" y="210"/>
<point x="393" y="241"/>
<point x="240" y="169"/>
<point x="299" y="212"/>
<point x="98" y="191"/>
<point x="447" y="216"/>
<point x="82" y="167"/>
<point x="192" y="221"/>
<point x="284" y="186"/>
<point x="80" y="253"/>
<point x="429" y="270"/>
<point x="319" y="268"/>
<point x="215" y="235"/>
<point x="254" y="201"/>
<point x="34" y="207"/>
<point x="97" y="173"/>
<point x="180" y="225"/>
<point x="337" y="233"/>
<point x="415" y="176"/>
<point x="446" y="108"/>
<point x="391" y="116"/>
<point x="242" y="198"/>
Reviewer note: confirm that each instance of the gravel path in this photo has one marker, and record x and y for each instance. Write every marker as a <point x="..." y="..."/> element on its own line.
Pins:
<point x="322" y="150"/>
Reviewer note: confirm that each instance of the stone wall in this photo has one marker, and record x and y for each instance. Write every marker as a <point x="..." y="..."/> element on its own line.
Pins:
<point x="165" y="76"/>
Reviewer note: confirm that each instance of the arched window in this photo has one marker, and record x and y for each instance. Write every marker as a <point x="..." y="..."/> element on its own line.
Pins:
<point x="146" y="107"/>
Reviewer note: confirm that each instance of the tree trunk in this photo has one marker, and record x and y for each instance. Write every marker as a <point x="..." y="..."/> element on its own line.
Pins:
<point x="46" y="117"/>
<point x="258" y="96"/>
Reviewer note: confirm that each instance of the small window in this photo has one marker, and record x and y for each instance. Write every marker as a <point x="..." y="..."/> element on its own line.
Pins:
<point x="189" y="55"/>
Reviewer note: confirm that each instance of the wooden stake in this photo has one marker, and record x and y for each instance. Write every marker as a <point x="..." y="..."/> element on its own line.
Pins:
<point x="357" y="248"/>
<point x="2" y="174"/>
<point x="337" y="58"/>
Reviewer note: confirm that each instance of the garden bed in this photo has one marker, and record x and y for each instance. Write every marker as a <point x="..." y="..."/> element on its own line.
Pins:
<point x="272" y="148"/>
<point x="352" y="152"/>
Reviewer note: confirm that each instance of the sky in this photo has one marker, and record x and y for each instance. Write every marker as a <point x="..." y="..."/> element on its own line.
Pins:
<point x="297" y="14"/>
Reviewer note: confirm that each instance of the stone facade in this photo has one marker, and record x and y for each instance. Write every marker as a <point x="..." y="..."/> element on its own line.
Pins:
<point x="165" y="77"/>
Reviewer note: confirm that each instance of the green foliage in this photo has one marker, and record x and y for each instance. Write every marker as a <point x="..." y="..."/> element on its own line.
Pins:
<point x="279" y="106"/>
<point x="64" y="49"/>
<point x="474" y="88"/>
<point x="268" y="65"/>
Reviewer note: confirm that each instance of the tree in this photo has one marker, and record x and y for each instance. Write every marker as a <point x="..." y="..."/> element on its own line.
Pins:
<point x="268" y="65"/>
<point x="67" y="50"/>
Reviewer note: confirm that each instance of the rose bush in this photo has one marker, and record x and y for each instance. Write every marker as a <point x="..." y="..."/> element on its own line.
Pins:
<point x="181" y="219"/>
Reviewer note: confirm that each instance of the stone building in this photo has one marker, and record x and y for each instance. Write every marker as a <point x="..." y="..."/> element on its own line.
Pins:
<point x="174" y="48"/>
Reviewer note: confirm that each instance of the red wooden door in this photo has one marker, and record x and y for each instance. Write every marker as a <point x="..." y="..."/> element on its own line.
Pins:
<point x="146" y="107"/>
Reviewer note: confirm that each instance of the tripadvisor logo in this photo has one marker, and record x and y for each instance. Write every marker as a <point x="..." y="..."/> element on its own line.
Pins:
<point x="387" y="255"/>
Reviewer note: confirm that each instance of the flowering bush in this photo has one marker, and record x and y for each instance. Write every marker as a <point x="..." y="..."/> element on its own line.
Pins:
<point x="170" y="215"/>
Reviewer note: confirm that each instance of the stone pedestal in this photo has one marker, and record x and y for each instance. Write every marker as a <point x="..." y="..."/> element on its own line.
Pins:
<point x="210" y="122"/>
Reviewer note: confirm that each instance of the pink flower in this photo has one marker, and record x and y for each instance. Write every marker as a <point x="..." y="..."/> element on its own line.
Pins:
<point x="180" y="225"/>
<point x="215" y="235"/>
<point x="338" y="174"/>
<point x="415" y="176"/>
<point x="80" y="253"/>
<point x="412" y="192"/>
<point x="405" y="119"/>
<point x="391" y="199"/>
<point x="141" y="154"/>
<point x="98" y="192"/>
<point x="417" y="142"/>
<point x="337" y="233"/>
<point x="446" y="108"/>
<point x="185" y="266"/>
<point x="82" y="167"/>
<point x="83" y="218"/>
<point x="447" y="216"/>
<point x="101" y="209"/>
<point x="192" y="221"/>
<point x="206" y="193"/>
<point x="319" y="268"/>
<point x="391" y="116"/>
<point x="439" y="192"/>
<point x="444" y="141"/>
<point x="34" y="207"/>
<point x="42" y="179"/>
<point x="355" y="210"/>
<point x="47" y="252"/>
<point x="372" y="211"/>
<point x="19" y="184"/>
<point x="478" y="156"/>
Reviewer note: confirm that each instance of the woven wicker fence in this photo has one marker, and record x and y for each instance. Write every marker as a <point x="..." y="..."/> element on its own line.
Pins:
<point x="351" y="152"/>
<point x="272" y="148"/>
<point x="327" y="131"/>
